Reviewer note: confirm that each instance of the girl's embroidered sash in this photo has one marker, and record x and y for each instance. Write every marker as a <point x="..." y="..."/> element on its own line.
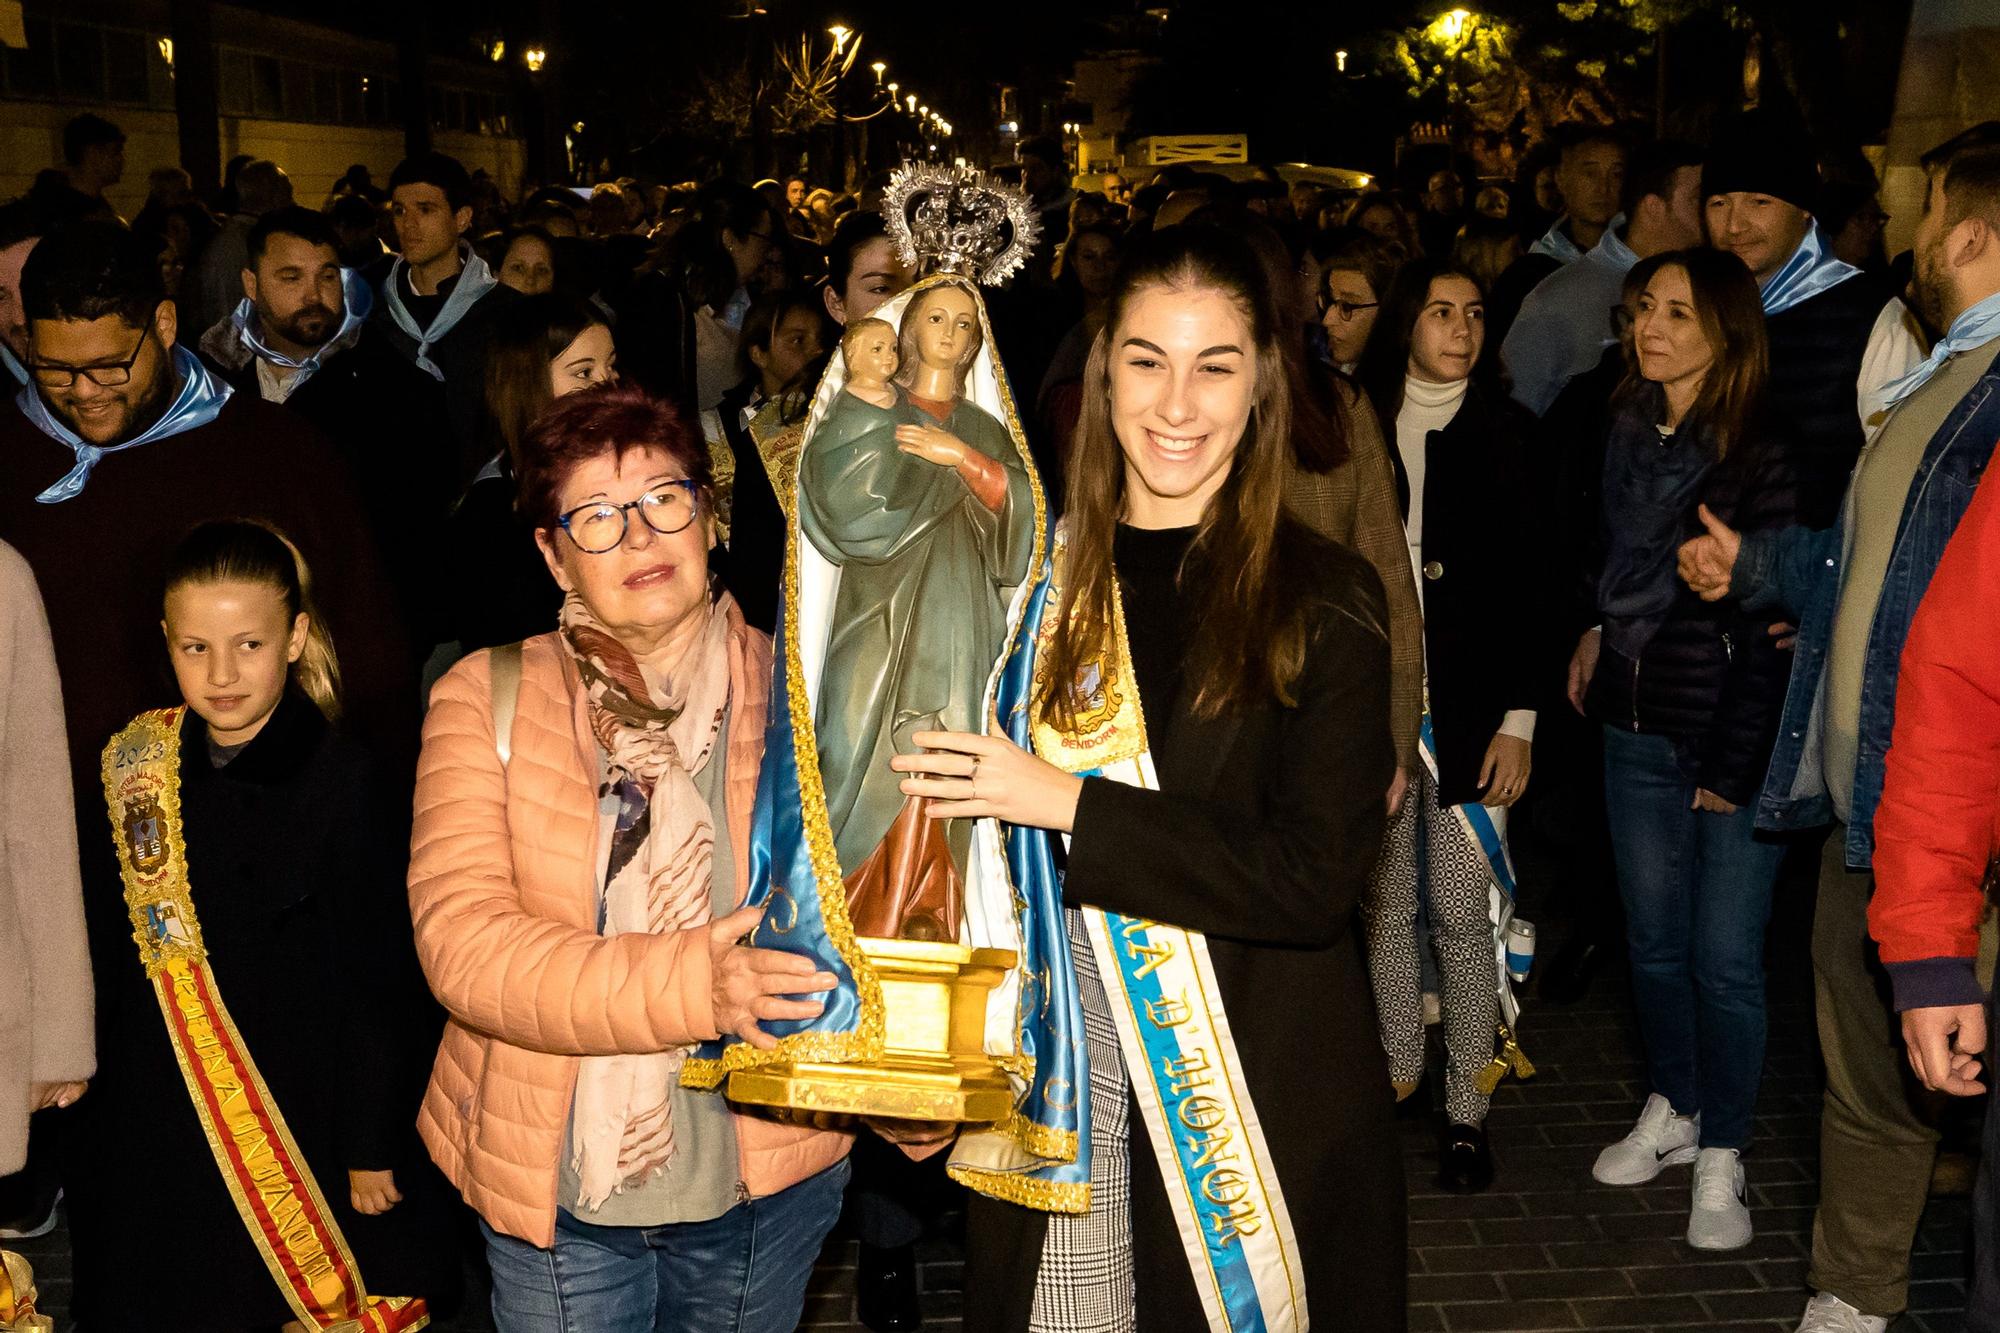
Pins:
<point x="280" y="1203"/>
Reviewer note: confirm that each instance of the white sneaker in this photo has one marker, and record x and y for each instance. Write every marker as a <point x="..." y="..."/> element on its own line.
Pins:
<point x="1661" y="1139"/>
<point x="1827" y="1313"/>
<point x="1720" y="1220"/>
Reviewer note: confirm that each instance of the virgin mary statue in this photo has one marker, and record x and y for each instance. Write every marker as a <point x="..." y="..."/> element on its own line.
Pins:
<point x="918" y="547"/>
<point x="921" y="501"/>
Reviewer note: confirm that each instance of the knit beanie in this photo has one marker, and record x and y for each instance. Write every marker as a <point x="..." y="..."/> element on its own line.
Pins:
<point x="1762" y="152"/>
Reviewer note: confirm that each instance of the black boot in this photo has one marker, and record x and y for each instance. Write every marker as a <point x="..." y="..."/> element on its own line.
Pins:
<point x="885" y="1284"/>
<point x="1465" y="1163"/>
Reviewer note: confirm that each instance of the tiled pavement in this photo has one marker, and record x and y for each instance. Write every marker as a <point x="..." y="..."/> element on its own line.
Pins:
<point x="1547" y="1248"/>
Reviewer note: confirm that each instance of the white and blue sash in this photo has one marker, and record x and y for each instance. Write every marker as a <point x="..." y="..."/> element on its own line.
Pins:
<point x="1179" y="1052"/>
<point x="1486" y="829"/>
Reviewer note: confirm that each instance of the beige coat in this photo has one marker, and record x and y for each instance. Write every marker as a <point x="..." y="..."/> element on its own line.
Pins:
<point x="503" y="889"/>
<point x="45" y="996"/>
<point x="1356" y="505"/>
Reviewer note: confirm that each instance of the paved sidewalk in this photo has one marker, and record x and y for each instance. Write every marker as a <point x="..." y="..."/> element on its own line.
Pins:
<point x="1547" y="1248"/>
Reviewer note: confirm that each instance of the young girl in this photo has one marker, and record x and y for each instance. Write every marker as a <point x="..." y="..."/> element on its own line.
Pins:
<point x="1460" y="468"/>
<point x="259" y="1065"/>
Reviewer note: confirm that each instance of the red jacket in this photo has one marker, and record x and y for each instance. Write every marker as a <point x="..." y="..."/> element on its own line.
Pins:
<point x="1938" y="826"/>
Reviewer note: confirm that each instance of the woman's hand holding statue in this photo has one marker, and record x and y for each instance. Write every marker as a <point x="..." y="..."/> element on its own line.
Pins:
<point x="750" y="983"/>
<point x="976" y="777"/>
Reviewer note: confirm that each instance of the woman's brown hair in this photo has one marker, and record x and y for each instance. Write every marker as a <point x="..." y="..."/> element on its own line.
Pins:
<point x="1249" y="641"/>
<point x="1731" y="313"/>
<point x="527" y="335"/>
<point x="242" y="550"/>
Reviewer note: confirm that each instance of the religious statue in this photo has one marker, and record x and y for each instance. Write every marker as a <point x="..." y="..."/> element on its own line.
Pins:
<point x="917" y="535"/>
<point x="922" y="501"/>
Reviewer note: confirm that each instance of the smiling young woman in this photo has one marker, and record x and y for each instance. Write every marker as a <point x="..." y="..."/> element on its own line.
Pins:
<point x="1248" y="659"/>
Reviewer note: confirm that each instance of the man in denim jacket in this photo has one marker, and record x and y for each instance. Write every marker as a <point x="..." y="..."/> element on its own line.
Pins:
<point x="1852" y="590"/>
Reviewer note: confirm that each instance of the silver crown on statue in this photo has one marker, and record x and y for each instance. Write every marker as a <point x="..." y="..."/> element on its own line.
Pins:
<point x="957" y="220"/>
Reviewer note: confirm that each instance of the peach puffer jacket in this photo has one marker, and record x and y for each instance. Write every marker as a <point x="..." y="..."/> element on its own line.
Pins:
<point x="503" y="889"/>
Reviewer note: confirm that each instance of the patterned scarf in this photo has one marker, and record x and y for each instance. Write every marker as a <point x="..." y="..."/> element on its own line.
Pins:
<point x="660" y="875"/>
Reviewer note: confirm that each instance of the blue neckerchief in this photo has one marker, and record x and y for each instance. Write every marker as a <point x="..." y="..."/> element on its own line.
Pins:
<point x="1612" y="247"/>
<point x="1557" y="245"/>
<point x="199" y="401"/>
<point x="1975" y="326"/>
<point x="734" y="310"/>
<point x="1811" y="270"/>
<point x="474" y="281"/>
<point x="357" y="300"/>
<point x="12" y="364"/>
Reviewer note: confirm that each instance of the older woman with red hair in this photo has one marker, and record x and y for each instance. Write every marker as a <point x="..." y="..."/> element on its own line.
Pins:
<point x="581" y="845"/>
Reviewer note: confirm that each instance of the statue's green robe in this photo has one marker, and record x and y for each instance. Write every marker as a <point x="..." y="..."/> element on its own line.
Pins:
<point x="920" y="616"/>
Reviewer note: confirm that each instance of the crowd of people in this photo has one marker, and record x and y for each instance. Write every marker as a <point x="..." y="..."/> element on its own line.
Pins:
<point x="1636" y="500"/>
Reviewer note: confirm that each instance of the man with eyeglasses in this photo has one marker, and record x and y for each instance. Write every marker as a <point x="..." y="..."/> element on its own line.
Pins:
<point x="1565" y="322"/>
<point x="121" y="441"/>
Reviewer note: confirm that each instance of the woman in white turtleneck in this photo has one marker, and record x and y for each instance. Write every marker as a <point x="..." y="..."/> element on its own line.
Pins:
<point x="1460" y="465"/>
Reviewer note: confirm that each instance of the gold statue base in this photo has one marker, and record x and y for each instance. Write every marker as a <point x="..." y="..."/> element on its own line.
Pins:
<point x="934" y="1063"/>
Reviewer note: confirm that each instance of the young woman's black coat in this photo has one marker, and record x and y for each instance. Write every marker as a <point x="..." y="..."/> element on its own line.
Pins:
<point x="1486" y="648"/>
<point x="1262" y="836"/>
<point x="297" y="880"/>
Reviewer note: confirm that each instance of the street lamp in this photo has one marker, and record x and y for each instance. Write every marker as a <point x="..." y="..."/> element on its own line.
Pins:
<point x="535" y="57"/>
<point x="1452" y="24"/>
<point x="880" y="67"/>
<point x="840" y="33"/>
<point x="893" y="86"/>
<point x="911" y="101"/>
<point x="1340" y="62"/>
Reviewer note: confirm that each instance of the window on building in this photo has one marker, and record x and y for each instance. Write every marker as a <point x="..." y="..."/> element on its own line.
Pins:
<point x="233" y="82"/>
<point x="125" y="66"/>
<point x="32" y="72"/>
<point x="267" y="88"/>
<point x="80" y="61"/>
<point x="325" y="84"/>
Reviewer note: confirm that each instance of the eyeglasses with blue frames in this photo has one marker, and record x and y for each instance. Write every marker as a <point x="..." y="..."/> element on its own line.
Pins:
<point x="600" y="525"/>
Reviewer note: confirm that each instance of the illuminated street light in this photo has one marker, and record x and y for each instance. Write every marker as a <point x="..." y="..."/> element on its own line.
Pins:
<point x="893" y="86"/>
<point x="880" y="67"/>
<point x="1452" y="24"/>
<point x="535" y="57"/>
<point x="924" y="111"/>
<point x="1340" y="61"/>
<point x="912" y="102"/>
<point x="840" y="33"/>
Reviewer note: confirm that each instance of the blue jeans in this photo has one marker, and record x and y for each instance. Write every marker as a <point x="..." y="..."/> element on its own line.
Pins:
<point x="743" y="1272"/>
<point x="1697" y="890"/>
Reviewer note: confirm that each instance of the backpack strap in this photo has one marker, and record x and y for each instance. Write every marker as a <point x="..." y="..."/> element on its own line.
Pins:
<point x="506" y="684"/>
